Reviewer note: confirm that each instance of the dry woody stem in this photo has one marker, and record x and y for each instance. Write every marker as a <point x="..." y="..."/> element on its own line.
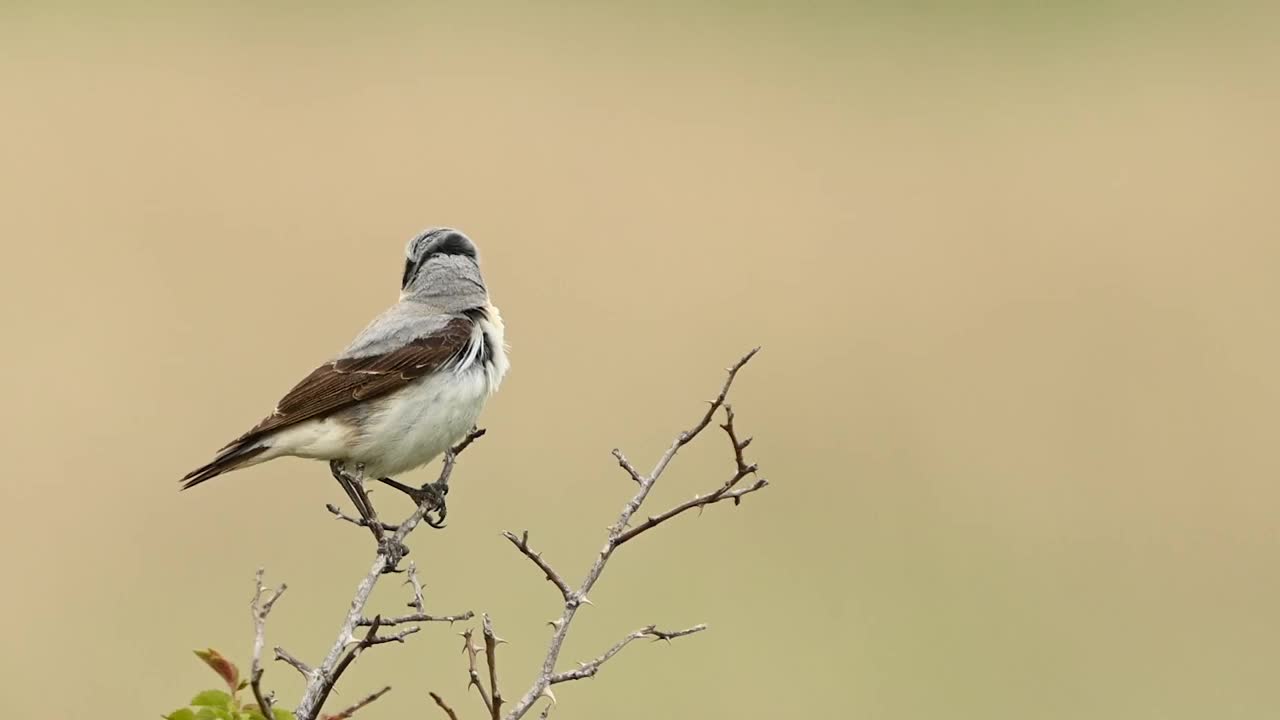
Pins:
<point x="321" y="679"/>
<point x="742" y="481"/>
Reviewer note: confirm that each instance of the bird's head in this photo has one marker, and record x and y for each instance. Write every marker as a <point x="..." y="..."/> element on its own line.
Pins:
<point x="441" y="263"/>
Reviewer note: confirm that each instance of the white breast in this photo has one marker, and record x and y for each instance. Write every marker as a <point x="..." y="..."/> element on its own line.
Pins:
<point x="413" y="426"/>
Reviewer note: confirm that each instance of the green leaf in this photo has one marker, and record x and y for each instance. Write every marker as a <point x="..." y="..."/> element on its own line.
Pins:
<point x="182" y="714"/>
<point x="226" y="669"/>
<point x="277" y="713"/>
<point x="212" y="699"/>
<point x="214" y="713"/>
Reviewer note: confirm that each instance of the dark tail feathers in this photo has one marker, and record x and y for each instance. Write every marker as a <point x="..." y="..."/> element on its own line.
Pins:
<point x="226" y="461"/>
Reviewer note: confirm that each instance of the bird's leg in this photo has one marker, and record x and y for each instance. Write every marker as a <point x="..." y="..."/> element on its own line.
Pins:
<point x="432" y="493"/>
<point x="355" y="492"/>
<point x="353" y="485"/>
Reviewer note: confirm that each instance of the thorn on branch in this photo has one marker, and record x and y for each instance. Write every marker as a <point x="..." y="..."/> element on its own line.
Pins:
<point x="522" y="544"/>
<point x="491" y="659"/>
<point x="359" y="522"/>
<point x="368" y="699"/>
<point x="591" y="667"/>
<point x="416" y="618"/>
<point x="473" y="675"/>
<point x="417" y="603"/>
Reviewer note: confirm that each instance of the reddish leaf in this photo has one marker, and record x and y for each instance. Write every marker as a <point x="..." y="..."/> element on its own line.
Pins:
<point x="225" y="668"/>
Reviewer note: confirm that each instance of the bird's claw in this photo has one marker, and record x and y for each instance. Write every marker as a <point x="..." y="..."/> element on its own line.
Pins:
<point x="434" y="493"/>
<point x="431" y="494"/>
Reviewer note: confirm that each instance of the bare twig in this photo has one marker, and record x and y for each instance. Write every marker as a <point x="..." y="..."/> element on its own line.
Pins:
<point x="359" y="522"/>
<point x="444" y="706"/>
<point x="473" y="674"/>
<point x="418" y="604"/>
<point x="625" y="464"/>
<point x="621" y="532"/>
<point x="728" y="491"/>
<point x="475" y="434"/>
<point x="261" y="607"/>
<point x="370" y="639"/>
<point x="383" y="639"/>
<point x="697" y="502"/>
<point x="320" y="680"/>
<point x="305" y="669"/>
<point x="416" y="618"/>
<point x="491" y="659"/>
<point x="368" y="699"/>
<point x="591" y="667"/>
<point x="522" y="544"/>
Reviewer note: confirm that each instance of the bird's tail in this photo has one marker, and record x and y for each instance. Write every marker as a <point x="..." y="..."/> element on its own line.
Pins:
<point x="232" y="457"/>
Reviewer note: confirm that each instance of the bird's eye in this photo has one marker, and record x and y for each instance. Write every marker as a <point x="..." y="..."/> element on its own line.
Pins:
<point x="410" y="269"/>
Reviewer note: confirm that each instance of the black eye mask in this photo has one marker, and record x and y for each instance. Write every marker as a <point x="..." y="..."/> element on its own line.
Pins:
<point x="450" y="243"/>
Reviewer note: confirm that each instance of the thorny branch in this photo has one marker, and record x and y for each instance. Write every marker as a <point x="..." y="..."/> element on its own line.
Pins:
<point x="261" y="607"/>
<point x="417" y="604"/>
<point x="473" y="674"/>
<point x="346" y="647"/>
<point x="522" y="544"/>
<point x="621" y="532"/>
<point x="491" y="659"/>
<point x="368" y="699"/>
<point x="591" y="667"/>
<point x="357" y="521"/>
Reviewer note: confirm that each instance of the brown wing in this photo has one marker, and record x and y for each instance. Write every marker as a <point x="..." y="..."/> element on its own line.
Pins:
<point x="342" y="383"/>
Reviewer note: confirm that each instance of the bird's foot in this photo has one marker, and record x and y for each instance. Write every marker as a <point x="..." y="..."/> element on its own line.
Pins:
<point x="437" y="491"/>
<point x="432" y="494"/>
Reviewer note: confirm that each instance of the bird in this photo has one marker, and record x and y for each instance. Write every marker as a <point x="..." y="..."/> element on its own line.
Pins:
<point x="408" y="387"/>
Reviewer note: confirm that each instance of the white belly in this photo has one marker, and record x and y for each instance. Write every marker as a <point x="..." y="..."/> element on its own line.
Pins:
<point x="411" y="427"/>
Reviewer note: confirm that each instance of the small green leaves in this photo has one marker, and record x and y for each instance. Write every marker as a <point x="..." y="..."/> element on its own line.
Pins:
<point x="277" y="713"/>
<point x="221" y="704"/>
<point x="213" y="699"/>
<point x="226" y="669"/>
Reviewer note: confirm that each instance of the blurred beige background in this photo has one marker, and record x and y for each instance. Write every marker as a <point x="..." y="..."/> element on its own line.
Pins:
<point x="1014" y="272"/>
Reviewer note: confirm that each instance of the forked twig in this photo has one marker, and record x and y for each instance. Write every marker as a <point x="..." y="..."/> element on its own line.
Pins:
<point x="261" y="607"/>
<point x="622" y="531"/>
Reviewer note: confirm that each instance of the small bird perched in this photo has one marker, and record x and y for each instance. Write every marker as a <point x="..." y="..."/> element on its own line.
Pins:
<point x="406" y="389"/>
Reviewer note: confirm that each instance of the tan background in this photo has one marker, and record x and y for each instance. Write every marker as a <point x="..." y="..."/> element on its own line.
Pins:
<point x="1015" y="274"/>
